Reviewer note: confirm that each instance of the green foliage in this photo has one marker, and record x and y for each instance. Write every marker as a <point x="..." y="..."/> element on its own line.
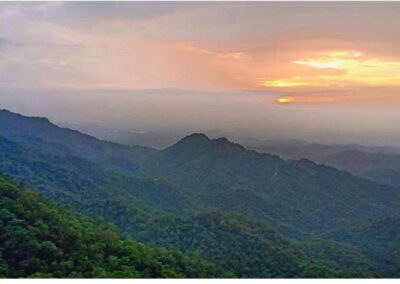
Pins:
<point x="41" y="240"/>
<point x="254" y="249"/>
<point x="249" y="249"/>
<point x="343" y="260"/>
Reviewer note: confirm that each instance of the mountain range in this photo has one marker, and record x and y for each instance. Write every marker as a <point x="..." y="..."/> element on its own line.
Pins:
<point x="379" y="164"/>
<point x="249" y="214"/>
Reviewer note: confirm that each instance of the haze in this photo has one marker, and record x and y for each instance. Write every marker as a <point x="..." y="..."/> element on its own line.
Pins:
<point x="322" y="72"/>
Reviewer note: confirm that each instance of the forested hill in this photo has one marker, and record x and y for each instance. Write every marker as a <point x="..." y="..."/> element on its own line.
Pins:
<point x="379" y="167"/>
<point x="379" y="164"/>
<point x="66" y="141"/>
<point x="302" y="194"/>
<point x="41" y="239"/>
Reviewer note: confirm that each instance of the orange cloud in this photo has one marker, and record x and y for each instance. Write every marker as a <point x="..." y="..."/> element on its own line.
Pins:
<point x="356" y="70"/>
<point x="291" y="82"/>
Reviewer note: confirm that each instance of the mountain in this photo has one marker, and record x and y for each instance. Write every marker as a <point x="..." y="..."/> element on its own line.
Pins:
<point x="89" y="187"/>
<point x="67" y="141"/>
<point x="287" y="215"/>
<point x="379" y="164"/>
<point x="140" y="220"/>
<point x="308" y="197"/>
<point x="40" y="239"/>
<point x="295" y="149"/>
<point x="378" y="167"/>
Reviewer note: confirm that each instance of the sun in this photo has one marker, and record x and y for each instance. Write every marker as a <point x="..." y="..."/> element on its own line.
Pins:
<point x="284" y="100"/>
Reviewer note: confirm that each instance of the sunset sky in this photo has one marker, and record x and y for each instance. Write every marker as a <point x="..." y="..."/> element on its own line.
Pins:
<point x="286" y="69"/>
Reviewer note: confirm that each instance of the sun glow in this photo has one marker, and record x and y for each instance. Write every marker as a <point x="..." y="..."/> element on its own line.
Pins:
<point x="291" y="82"/>
<point x="333" y="64"/>
<point x="309" y="99"/>
<point x="356" y="69"/>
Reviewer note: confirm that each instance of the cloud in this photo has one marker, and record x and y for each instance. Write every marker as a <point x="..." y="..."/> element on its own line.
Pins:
<point x="357" y="69"/>
<point x="222" y="45"/>
<point x="5" y="42"/>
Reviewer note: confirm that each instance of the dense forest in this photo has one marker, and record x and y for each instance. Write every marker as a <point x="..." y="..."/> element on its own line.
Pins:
<point x="234" y="211"/>
<point x="40" y="239"/>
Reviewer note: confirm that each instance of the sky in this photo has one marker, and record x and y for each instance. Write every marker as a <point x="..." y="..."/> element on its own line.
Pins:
<point x="323" y="72"/>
